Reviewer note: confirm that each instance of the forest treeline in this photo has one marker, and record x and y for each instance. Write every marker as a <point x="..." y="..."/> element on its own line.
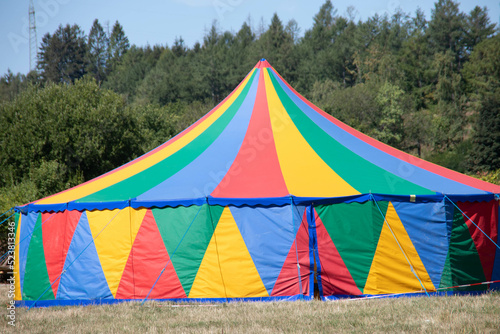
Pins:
<point x="430" y="87"/>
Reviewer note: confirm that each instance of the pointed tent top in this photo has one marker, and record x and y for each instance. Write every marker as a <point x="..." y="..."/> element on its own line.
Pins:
<point x="263" y="63"/>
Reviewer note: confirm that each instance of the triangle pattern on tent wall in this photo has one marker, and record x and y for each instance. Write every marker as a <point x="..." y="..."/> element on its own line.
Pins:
<point x="287" y="283"/>
<point x="463" y="264"/>
<point x="425" y="224"/>
<point x="335" y="277"/>
<point x="186" y="233"/>
<point x="227" y="269"/>
<point x="114" y="232"/>
<point x="26" y="226"/>
<point x="83" y="277"/>
<point x="57" y="235"/>
<point x="390" y="271"/>
<point x="147" y="259"/>
<point x="36" y="278"/>
<point x="355" y="230"/>
<point x="482" y="214"/>
<point x="268" y="235"/>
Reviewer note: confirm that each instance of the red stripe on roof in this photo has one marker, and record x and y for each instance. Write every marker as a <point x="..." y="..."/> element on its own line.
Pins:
<point x="255" y="172"/>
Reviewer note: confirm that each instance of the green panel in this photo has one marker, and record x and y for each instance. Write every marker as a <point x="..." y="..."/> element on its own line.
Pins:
<point x="154" y="175"/>
<point x="463" y="265"/>
<point x="173" y="224"/>
<point x="36" y="277"/>
<point x="361" y="174"/>
<point x="355" y="230"/>
<point x="16" y="222"/>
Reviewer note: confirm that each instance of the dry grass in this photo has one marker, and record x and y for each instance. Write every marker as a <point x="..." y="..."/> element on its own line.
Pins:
<point x="467" y="314"/>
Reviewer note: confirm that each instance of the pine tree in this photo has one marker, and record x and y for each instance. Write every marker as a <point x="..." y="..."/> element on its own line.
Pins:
<point x="97" y="56"/>
<point x="62" y="55"/>
<point x="486" y="143"/>
<point x="118" y="45"/>
<point x="447" y="29"/>
<point x="478" y="27"/>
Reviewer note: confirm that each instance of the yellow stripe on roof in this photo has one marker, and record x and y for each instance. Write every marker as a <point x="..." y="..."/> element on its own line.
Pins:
<point x="305" y="173"/>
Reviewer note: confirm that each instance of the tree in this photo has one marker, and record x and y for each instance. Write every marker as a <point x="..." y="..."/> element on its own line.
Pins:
<point x="482" y="74"/>
<point x="11" y="85"/>
<point x="276" y="46"/>
<point x="62" y="55"/>
<point x="131" y="71"/>
<point x="118" y="45"/>
<point x="478" y="27"/>
<point x="446" y="29"/>
<point x="486" y="142"/>
<point x="97" y="51"/>
<point x="321" y="32"/>
<point x="66" y="129"/>
<point x="390" y="127"/>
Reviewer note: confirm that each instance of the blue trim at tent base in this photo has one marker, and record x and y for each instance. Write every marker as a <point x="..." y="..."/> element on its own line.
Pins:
<point x="108" y="301"/>
<point x="411" y="294"/>
<point x="252" y="202"/>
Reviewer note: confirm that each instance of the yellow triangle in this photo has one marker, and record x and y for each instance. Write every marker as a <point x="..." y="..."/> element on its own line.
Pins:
<point x="227" y="255"/>
<point x="390" y="271"/>
<point x="114" y="243"/>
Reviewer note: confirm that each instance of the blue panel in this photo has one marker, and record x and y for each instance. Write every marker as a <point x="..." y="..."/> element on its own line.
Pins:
<point x="402" y="295"/>
<point x="83" y="277"/>
<point x="27" y="225"/>
<point x="203" y="174"/>
<point x="427" y="228"/>
<point x="268" y="235"/>
<point x="379" y="158"/>
<point x="86" y="302"/>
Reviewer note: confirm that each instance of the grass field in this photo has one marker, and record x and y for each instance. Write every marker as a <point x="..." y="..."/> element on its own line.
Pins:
<point x="464" y="314"/>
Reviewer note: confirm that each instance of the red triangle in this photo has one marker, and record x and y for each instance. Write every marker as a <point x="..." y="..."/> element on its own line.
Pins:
<point x="146" y="260"/>
<point x="287" y="283"/>
<point x="255" y="172"/>
<point x="335" y="277"/>
<point x="484" y="215"/>
<point x="57" y="230"/>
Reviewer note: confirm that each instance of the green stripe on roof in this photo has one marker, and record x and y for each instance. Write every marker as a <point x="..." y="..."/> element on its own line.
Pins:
<point x="361" y="174"/>
<point x="154" y="175"/>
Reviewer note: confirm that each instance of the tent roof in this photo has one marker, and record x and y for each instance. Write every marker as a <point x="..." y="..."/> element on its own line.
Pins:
<point x="265" y="141"/>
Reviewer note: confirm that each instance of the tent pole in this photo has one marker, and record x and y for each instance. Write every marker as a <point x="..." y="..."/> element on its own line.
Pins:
<point x="296" y="249"/>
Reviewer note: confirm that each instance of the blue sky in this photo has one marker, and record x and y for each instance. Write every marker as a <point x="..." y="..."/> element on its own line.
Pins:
<point x="160" y="22"/>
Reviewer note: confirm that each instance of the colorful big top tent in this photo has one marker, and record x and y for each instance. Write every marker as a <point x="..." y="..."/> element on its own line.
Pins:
<point x="264" y="198"/>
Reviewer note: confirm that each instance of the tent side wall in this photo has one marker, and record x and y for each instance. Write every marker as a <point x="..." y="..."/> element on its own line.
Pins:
<point x="406" y="247"/>
<point x="227" y="252"/>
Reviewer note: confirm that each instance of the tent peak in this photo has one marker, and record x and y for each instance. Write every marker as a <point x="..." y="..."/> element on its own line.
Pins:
<point x="263" y="63"/>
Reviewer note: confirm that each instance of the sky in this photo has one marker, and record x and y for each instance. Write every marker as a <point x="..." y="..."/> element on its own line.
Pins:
<point x="161" y="22"/>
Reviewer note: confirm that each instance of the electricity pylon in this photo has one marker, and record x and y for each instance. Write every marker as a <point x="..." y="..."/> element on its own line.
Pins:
<point x="33" y="39"/>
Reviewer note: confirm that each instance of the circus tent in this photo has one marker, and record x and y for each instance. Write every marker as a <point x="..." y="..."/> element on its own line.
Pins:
<point x="266" y="197"/>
